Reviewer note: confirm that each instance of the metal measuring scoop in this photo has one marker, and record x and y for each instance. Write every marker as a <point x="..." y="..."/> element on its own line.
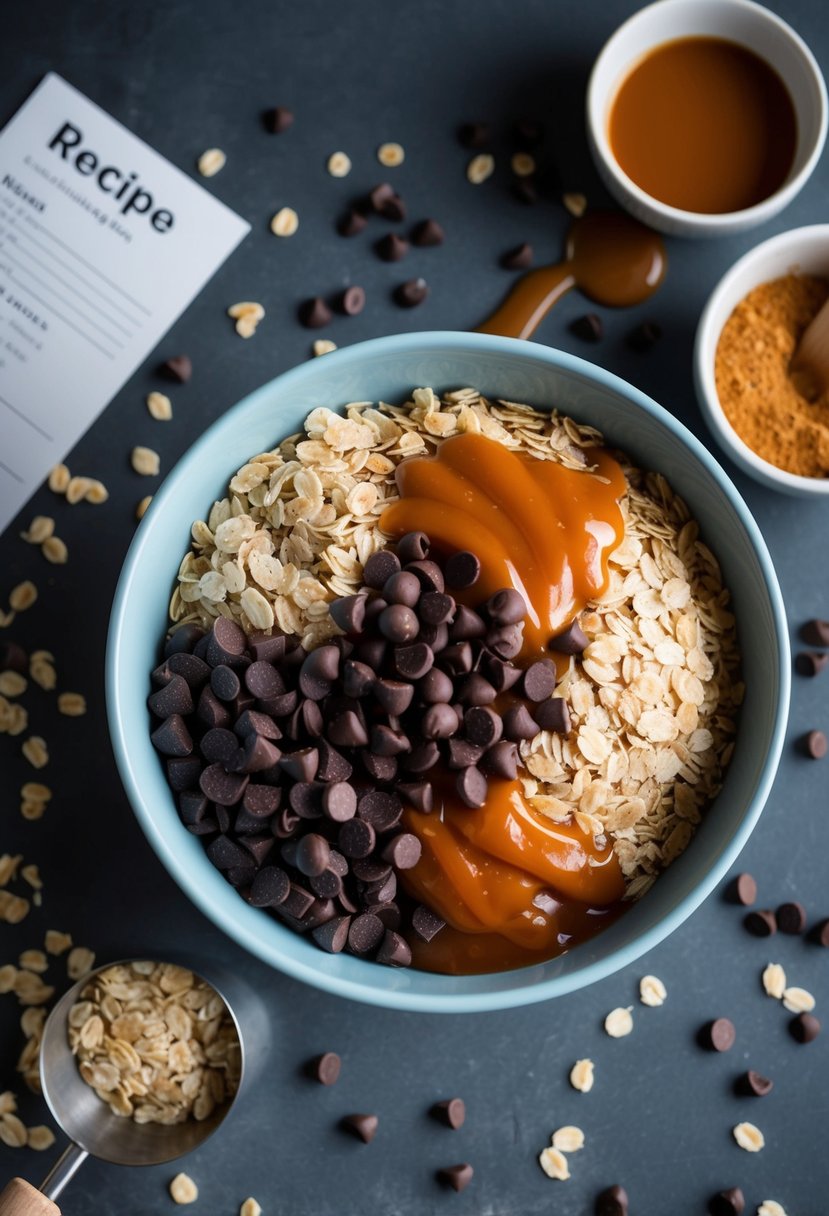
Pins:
<point x="92" y="1127"/>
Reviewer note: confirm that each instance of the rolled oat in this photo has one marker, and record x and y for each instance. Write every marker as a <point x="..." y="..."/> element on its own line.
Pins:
<point x="183" y="1189"/>
<point x="59" y="479"/>
<point x="80" y="962"/>
<point x="619" y="1022"/>
<point x="798" y="1000"/>
<point x="774" y="981"/>
<point x="145" y="461"/>
<point x="211" y="162"/>
<point x="581" y="1076"/>
<point x="160" y="406"/>
<point x="39" y="530"/>
<point x="749" y="1137"/>
<point x="285" y="222"/>
<point x="36" y="751"/>
<point x="141" y="508"/>
<point x="55" y="551"/>
<point x="338" y="164"/>
<point x="576" y="204"/>
<point x="568" y="1139"/>
<point x="554" y="1164"/>
<point x="72" y="704"/>
<point x="391" y="155"/>
<point x="23" y="596"/>
<point x="480" y="168"/>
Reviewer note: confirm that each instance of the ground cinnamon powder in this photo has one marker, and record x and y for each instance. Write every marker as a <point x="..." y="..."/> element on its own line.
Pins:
<point x="753" y="383"/>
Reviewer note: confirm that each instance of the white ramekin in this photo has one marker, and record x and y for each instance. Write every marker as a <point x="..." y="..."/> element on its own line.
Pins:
<point x="740" y="21"/>
<point x="800" y="251"/>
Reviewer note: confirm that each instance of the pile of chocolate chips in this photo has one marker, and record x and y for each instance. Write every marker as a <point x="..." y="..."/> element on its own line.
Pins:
<point x="295" y="766"/>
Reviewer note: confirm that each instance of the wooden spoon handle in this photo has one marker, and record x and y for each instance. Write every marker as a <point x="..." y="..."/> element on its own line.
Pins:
<point x="20" y="1198"/>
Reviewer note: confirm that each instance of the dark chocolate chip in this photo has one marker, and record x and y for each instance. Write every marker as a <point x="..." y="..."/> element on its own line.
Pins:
<point x="482" y="725"/>
<point x="398" y="623"/>
<point x="413" y="547"/>
<point x="814" y="744"/>
<point x="612" y="1201"/>
<point x="742" y="890"/>
<point x="192" y="806"/>
<point x="819" y="934"/>
<point x="333" y="766"/>
<point x="519" y="724"/>
<point x="183" y="772"/>
<point x="298" y="901"/>
<point x="381" y="892"/>
<point x="418" y="794"/>
<point x="427" y="234"/>
<point x="188" y="637"/>
<point x="502" y="675"/>
<point x="251" y="722"/>
<point x="325" y="1068"/>
<point x="224" y="788"/>
<point x="346" y="730"/>
<point x="553" y="715"/>
<point x="506" y="607"/>
<point x="506" y="640"/>
<point x="761" y="923"/>
<point x="429" y="574"/>
<point x="539" y="680"/>
<point x="413" y="662"/>
<point x="475" y="689"/>
<point x="318" y="672"/>
<point x="752" y="1084"/>
<point x="394" y="950"/>
<point x="501" y="760"/>
<point x="435" y="687"/>
<point x="644" y="337"/>
<point x="411" y="293"/>
<point x="327" y="885"/>
<point x="312" y="855"/>
<point x="452" y="1112"/>
<point x="261" y="800"/>
<point x="339" y="801"/>
<point x="471" y="786"/>
<point x="392" y="247"/>
<point x="356" y="838"/>
<point x="440" y="721"/>
<point x="365" y="933"/>
<point x="462" y="570"/>
<point x="194" y="670"/>
<point x="305" y="798"/>
<point x="435" y="608"/>
<point x="394" y="696"/>
<point x="358" y="679"/>
<point x="278" y="119"/>
<point x="457" y="658"/>
<point x="426" y="923"/>
<point x="172" y="738"/>
<point x="474" y="135"/>
<point x="815" y="633"/>
<point x="227" y="642"/>
<point x="403" y="851"/>
<point x="174" y="698"/>
<point x="587" y="327"/>
<point x="462" y="753"/>
<point x="518" y="258"/>
<point x="364" y="1127"/>
<point x="352" y="301"/>
<point x="727" y="1203"/>
<point x="306" y="719"/>
<point x="466" y="625"/>
<point x="332" y="936"/>
<point x="571" y="640"/>
<point x="259" y="755"/>
<point x="265" y="647"/>
<point x="458" y="1177"/>
<point x="402" y="588"/>
<point x="270" y="887"/>
<point x="224" y="853"/>
<point x="423" y="758"/>
<point x="281" y="707"/>
<point x="791" y="917"/>
<point x="263" y="681"/>
<point x="805" y="1028"/>
<point x="285" y="824"/>
<point x="301" y="765"/>
<point x="387" y="742"/>
<point x="352" y="223"/>
<point x="178" y="367"/>
<point x="718" y="1035"/>
<point x="381" y="769"/>
<point x="379" y="808"/>
<point x="314" y="313"/>
<point x="259" y="846"/>
<point x="810" y="663"/>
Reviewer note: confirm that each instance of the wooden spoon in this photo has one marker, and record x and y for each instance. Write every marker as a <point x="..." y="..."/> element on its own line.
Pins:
<point x="809" y="366"/>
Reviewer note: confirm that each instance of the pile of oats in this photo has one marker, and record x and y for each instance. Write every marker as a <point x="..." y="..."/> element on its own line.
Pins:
<point x="653" y="699"/>
<point x="155" y="1042"/>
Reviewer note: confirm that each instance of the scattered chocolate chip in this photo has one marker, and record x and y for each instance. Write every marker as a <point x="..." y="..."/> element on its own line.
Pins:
<point x="394" y="696"/>
<point x="356" y="838"/>
<point x="644" y="337"/>
<point x="553" y="715"/>
<point x="302" y="764"/>
<point x="224" y="788"/>
<point x="815" y="744"/>
<point x="810" y="663"/>
<point x="352" y="301"/>
<point x="471" y="786"/>
<point x="612" y="1201"/>
<point x="727" y="1203"/>
<point x="179" y="368"/>
<point x="587" y="327"/>
<point x="314" y="313"/>
<point x="820" y="933"/>
<point x="743" y="890"/>
<point x="791" y="917"/>
<point x="482" y="725"/>
<point x="411" y="293"/>
<point x="815" y="633"/>
<point x="440" y="721"/>
<point x="278" y="119"/>
<point x="385" y="200"/>
<point x="474" y="135"/>
<point x="364" y="1127"/>
<point x="452" y="1112"/>
<point x="312" y="855"/>
<point x="392" y="247"/>
<point x="325" y="1068"/>
<point x="403" y="587"/>
<point x="525" y="190"/>
<point x="752" y="1084"/>
<point x="436" y="608"/>
<point x="519" y="723"/>
<point x="225" y="853"/>
<point x="394" y="950"/>
<point x="352" y="223"/>
<point x="174" y="698"/>
<point x="428" y="233"/>
<point x="462" y="570"/>
<point x="518" y="258"/>
<point x="403" y="851"/>
<point x="718" y="1035"/>
<point x="804" y="1028"/>
<point x="458" y="1177"/>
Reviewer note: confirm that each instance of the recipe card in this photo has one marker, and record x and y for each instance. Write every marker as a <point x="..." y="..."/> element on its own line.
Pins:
<point x="103" y="244"/>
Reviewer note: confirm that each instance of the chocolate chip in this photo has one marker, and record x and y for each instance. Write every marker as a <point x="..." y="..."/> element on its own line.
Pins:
<point x="501" y="674"/>
<point x="352" y="301"/>
<point x="332" y="936"/>
<point x="471" y="786"/>
<point x="224" y="788"/>
<point x="742" y="890"/>
<point x="318" y="672"/>
<point x="387" y="202"/>
<point x="418" y="794"/>
<point x="457" y="658"/>
<point x="251" y="722"/>
<point x="379" y="808"/>
<point x="174" y="698"/>
<point x="475" y="689"/>
<point x="440" y="721"/>
<point x="501" y="760"/>
<point x="810" y="663"/>
<point x="815" y="633"/>
<point x="791" y="918"/>
<point x="612" y="1201"/>
<point x="302" y="764"/>
<point x="644" y="336"/>
<point x="506" y="607"/>
<point x="814" y="744"/>
<point x="819" y="934"/>
<point x="226" y="643"/>
<point x="188" y="637"/>
<point x="402" y="587"/>
<point x="461" y="570"/>
<point x="325" y="1068"/>
<point x="426" y="923"/>
<point x="435" y="687"/>
<point x="358" y="679"/>
<point x="298" y="901"/>
<point x="539" y="680"/>
<point x="458" y="1177"/>
<point x="261" y="800"/>
<point x="349" y="612"/>
<point x="411" y="293"/>
<point x="224" y="853"/>
<point x="805" y="1028"/>
<point x="364" y="1127"/>
<point x="392" y="247"/>
<point x="306" y="719"/>
<point x="727" y="1203"/>
<point x="314" y="313"/>
<point x="462" y="754"/>
<point x="482" y="726"/>
<point x="312" y="855"/>
<point x="427" y="234"/>
<point x="429" y="573"/>
<point x="474" y="135"/>
<point x="393" y="696"/>
<point x="333" y="766"/>
<point x="718" y="1035"/>
<point x="183" y="772"/>
<point x="194" y="670"/>
<point x="452" y="1112"/>
<point x="352" y="223"/>
<point x="413" y="547"/>
<point x="305" y="798"/>
<point x="398" y="623"/>
<point x="422" y="758"/>
<point x="285" y="824"/>
<point x="259" y="755"/>
<point x="192" y="806"/>
<point x="525" y="190"/>
<point x="278" y="119"/>
<point x="262" y="679"/>
<point x="571" y="640"/>
<point x="506" y="640"/>
<point x="365" y="933"/>
<point x="403" y="851"/>
<point x="435" y="607"/>
<point x="172" y="738"/>
<point x="387" y="742"/>
<point x="752" y="1084"/>
<point x="413" y="662"/>
<point x="346" y="730"/>
<point x="356" y="838"/>
<point x="587" y="327"/>
<point x="381" y="769"/>
<point x="267" y="648"/>
<point x="379" y="567"/>
<point x="519" y="724"/>
<point x="762" y="923"/>
<point x="270" y="887"/>
<point x="518" y="258"/>
<point x="394" y="950"/>
<point x="178" y="367"/>
<point x="14" y="657"/>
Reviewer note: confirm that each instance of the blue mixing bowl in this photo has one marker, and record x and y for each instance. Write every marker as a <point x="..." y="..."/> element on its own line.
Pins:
<point x="388" y="369"/>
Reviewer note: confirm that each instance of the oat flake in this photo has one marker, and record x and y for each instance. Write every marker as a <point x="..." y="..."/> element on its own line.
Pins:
<point x="285" y="222"/>
<point x="554" y="1164"/>
<point x="774" y="980"/>
<point x="339" y="164"/>
<point x="183" y="1189"/>
<point x="581" y="1076"/>
<point x="770" y="1207"/>
<point x="568" y="1139"/>
<point x="480" y="168"/>
<point x="749" y="1137"/>
<point x="250" y="1207"/>
<point x="211" y="162"/>
<point x="652" y="991"/>
<point x="160" y="407"/>
<point x="145" y="461"/>
<point x="391" y="155"/>
<point x="619" y="1022"/>
<point x="798" y="1000"/>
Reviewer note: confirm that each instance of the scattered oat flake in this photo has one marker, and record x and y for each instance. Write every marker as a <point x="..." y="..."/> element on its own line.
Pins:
<point x="749" y="1137"/>
<point x="39" y="530"/>
<point x="35" y="791"/>
<point x="770" y="1207"/>
<point x="480" y="168"/>
<point x="72" y="704"/>
<point x="160" y="406"/>
<point x="391" y="155"/>
<point x="77" y="490"/>
<point x="96" y="492"/>
<point x="23" y="596"/>
<point x="338" y="164"/>
<point x="141" y="508"/>
<point x="57" y="942"/>
<point x="145" y="461"/>
<point x="58" y="479"/>
<point x="34" y="960"/>
<point x="323" y="346"/>
<point x="774" y="980"/>
<point x="12" y="1131"/>
<point x="247" y="314"/>
<point x="522" y="164"/>
<point x="40" y="1137"/>
<point x="250" y="1207"/>
<point x="12" y="684"/>
<point x="568" y="1139"/>
<point x="211" y="162"/>
<point x="80" y="962"/>
<point x="554" y="1164"/>
<point x="285" y="222"/>
<point x="619" y="1022"/>
<point x="798" y="1000"/>
<point x="581" y="1076"/>
<point x="183" y="1189"/>
<point x="36" y="751"/>
<point x="652" y="991"/>
<point x="576" y="204"/>
<point x="55" y="551"/>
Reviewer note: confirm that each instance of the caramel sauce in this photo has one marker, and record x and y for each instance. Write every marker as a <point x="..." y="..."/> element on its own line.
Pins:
<point x="610" y="257"/>
<point x="546" y="530"/>
<point x="705" y="125"/>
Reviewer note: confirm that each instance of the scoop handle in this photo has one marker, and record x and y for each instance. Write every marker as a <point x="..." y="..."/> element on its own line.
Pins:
<point x="20" y="1198"/>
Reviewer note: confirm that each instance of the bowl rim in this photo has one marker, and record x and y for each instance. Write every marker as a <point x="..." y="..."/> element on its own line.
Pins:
<point x="698" y="221"/>
<point x="522" y="993"/>
<point x="704" y="360"/>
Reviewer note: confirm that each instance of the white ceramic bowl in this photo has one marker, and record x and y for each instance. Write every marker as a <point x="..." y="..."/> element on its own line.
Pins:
<point x="802" y="250"/>
<point x="739" y="21"/>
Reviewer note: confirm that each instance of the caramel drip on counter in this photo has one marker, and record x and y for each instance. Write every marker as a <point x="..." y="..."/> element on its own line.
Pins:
<point x="546" y="530"/>
<point x="610" y="257"/>
<point x="506" y="874"/>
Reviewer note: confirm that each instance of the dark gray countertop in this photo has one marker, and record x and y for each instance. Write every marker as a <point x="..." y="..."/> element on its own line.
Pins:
<point x="186" y="76"/>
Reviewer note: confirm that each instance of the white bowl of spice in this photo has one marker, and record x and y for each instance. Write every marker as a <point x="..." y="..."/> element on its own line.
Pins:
<point x="705" y="117"/>
<point x="745" y="340"/>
